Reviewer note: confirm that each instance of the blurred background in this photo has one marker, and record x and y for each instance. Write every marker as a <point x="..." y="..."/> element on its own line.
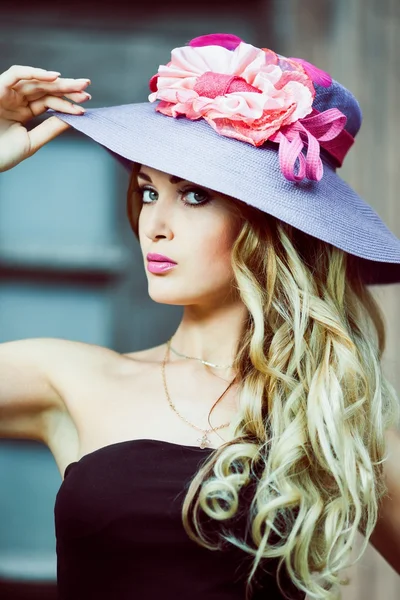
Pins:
<point x="69" y="264"/>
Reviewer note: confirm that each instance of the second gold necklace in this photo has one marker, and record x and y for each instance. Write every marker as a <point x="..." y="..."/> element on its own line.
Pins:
<point x="204" y="440"/>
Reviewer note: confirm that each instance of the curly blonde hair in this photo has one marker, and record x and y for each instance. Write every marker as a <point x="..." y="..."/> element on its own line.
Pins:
<point x="314" y="405"/>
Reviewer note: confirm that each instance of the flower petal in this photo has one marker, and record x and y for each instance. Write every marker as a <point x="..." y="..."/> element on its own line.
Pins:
<point x="301" y="96"/>
<point x="226" y="40"/>
<point x="199" y="60"/>
<point x="317" y="75"/>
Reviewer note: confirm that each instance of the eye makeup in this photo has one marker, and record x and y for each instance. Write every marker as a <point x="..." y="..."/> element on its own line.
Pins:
<point x="189" y="189"/>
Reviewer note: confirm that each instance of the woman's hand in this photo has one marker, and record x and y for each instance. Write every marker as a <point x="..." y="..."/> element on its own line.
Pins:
<point x="26" y="92"/>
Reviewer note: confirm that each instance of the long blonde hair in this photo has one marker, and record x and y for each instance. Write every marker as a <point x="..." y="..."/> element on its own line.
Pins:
<point x="308" y="438"/>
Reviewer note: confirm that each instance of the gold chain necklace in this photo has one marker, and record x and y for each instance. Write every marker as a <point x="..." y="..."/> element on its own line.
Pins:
<point x="205" y="362"/>
<point x="204" y="441"/>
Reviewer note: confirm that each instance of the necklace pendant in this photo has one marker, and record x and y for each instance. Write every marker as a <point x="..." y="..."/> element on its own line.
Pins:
<point x="204" y="441"/>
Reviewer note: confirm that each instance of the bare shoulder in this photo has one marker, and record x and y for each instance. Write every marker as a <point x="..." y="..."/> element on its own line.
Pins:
<point x="73" y="365"/>
<point x="149" y="356"/>
<point x="77" y="369"/>
<point x="43" y="351"/>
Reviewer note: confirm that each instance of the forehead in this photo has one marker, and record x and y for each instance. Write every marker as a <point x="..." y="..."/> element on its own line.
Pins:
<point x="148" y="173"/>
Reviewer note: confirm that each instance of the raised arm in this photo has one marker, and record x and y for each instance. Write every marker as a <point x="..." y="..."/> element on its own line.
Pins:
<point x="26" y="390"/>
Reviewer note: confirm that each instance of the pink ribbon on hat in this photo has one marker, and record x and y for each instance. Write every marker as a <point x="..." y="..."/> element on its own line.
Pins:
<point x="324" y="130"/>
<point x="313" y="131"/>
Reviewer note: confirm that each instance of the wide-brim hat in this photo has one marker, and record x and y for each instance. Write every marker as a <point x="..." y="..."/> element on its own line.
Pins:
<point x="289" y="173"/>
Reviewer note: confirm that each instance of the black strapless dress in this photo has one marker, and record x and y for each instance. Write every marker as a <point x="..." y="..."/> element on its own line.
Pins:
<point x="120" y="536"/>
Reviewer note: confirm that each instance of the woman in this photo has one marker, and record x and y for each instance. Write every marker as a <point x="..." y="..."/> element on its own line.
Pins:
<point x="271" y="268"/>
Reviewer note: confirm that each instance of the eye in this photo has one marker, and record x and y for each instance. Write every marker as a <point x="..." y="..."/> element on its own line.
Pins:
<point x="200" y="196"/>
<point x="190" y="196"/>
<point x="152" y="195"/>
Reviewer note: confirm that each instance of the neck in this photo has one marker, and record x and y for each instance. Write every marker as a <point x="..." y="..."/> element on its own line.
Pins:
<point x="211" y="335"/>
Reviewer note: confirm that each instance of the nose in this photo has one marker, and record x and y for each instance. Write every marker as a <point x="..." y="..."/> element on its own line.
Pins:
<point x="155" y="220"/>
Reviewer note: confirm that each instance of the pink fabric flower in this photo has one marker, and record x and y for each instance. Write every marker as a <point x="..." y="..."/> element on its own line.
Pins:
<point x="246" y="93"/>
<point x="253" y="95"/>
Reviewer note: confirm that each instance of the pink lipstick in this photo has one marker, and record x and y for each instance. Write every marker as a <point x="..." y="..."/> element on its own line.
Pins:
<point x="158" y="263"/>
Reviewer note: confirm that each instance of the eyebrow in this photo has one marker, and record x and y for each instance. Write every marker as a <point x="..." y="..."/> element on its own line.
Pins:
<point x="172" y="179"/>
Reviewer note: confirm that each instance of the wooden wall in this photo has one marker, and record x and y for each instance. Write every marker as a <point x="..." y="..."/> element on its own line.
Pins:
<point x="358" y="42"/>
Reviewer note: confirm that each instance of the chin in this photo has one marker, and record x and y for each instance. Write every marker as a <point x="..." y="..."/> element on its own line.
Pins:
<point x="164" y="296"/>
<point x="171" y="296"/>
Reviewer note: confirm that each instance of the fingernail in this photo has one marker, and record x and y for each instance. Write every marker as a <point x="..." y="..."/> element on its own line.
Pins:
<point x="79" y="109"/>
<point x="88" y="95"/>
<point x="84" y="80"/>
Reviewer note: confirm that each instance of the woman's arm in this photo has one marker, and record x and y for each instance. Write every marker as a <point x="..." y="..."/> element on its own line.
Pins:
<point x="386" y="535"/>
<point x="27" y="391"/>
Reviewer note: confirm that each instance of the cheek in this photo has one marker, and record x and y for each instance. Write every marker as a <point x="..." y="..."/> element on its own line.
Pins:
<point x="221" y="238"/>
<point x="213" y="253"/>
<point x="140" y="224"/>
<point x="220" y="249"/>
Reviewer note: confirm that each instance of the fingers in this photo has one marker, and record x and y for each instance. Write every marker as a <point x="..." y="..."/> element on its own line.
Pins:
<point x="77" y="97"/>
<point x="40" y="106"/>
<point x="74" y="96"/>
<point x="34" y="89"/>
<point x="17" y="72"/>
<point x="45" y="132"/>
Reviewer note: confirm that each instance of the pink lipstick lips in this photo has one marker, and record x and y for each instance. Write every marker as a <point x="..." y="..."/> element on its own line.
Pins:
<point x="157" y="263"/>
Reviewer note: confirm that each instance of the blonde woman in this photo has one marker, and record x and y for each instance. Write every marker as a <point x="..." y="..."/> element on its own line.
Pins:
<point x="240" y="458"/>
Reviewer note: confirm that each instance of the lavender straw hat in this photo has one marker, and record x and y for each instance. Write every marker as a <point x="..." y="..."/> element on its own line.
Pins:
<point x="265" y="129"/>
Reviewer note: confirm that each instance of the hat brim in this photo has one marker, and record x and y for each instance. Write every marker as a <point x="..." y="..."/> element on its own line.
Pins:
<point x="329" y="209"/>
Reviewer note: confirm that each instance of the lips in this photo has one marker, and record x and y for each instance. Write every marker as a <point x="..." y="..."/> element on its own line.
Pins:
<point x="160" y="258"/>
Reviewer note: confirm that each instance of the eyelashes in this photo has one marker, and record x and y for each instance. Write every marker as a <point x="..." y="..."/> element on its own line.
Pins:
<point x="182" y="192"/>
